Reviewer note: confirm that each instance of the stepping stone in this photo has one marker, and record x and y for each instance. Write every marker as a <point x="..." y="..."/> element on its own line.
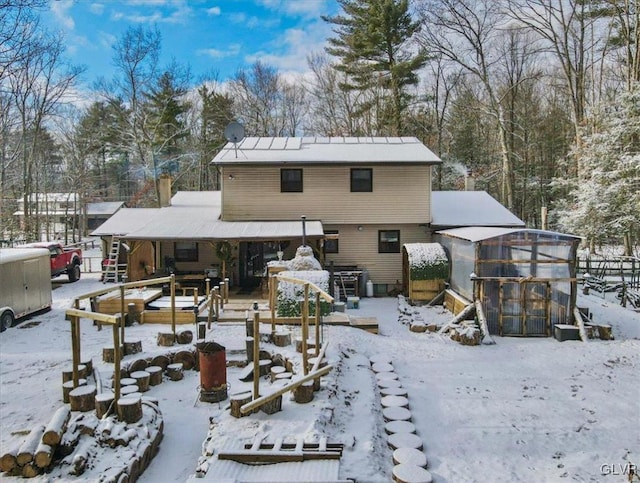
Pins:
<point x="396" y="414"/>
<point x="406" y="473"/>
<point x="388" y="382"/>
<point x="409" y="456"/>
<point x="380" y="358"/>
<point x="393" y="391"/>
<point x="386" y="375"/>
<point x="399" y="427"/>
<point x="382" y="367"/>
<point x="404" y="440"/>
<point x="394" y="401"/>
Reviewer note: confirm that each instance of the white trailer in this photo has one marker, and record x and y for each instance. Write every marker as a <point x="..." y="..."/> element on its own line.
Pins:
<point x="25" y="283"/>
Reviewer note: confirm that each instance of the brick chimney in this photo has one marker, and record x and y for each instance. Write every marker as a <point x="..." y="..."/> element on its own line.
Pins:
<point x="469" y="181"/>
<point x="164" y="189"/>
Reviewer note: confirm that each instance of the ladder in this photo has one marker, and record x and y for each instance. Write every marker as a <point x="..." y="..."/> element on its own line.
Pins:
<point x="110" y="273"/>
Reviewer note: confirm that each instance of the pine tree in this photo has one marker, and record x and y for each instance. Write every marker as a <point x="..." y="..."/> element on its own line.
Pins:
<point x="373" y="44"/>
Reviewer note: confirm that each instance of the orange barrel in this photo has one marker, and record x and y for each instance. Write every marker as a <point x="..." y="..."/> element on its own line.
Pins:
<point x="213" y="371"/>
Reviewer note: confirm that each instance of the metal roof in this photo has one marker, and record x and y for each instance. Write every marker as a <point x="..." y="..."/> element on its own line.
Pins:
<point x="104" y="207"/>
<point x="12" y="254"/>
<point x="470" y="208"/>
<point x="481" y="233"/>
<point x="196" y="216"/>
<point x="326" y="150"/>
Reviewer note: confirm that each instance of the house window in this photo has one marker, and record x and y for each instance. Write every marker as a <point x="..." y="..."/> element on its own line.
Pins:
<point x="186" y="251"/>
<point x="361" y="180"/>
<point x="331" y="241"/>
<point x="389" y="241"/>
<point x="291" y="181"/>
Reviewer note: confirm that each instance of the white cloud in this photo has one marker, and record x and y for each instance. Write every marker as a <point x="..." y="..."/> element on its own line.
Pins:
<point x="97" y="8"/>
<point x="165" y="11"/>
<point x="60" y="11"/>
<point x="231" y="51"/>
<point x="214" y="11"/>
<point x="253" y="22"/>
<point x="106" y="39"/>
<point x="300" y="8"/>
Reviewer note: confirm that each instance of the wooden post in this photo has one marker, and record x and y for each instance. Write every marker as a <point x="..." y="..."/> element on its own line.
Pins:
<point x="272" y="304"/>
<point x="256" y="354"/>
<point x="75" y="349"/>
<point x="116" y="362"/>
<point x="548" y="308"/>
<point x="216" y="296"/>
<point x="226" y="290"/>
<point x="317" y="323"/>
<point x="78" y="338"/>
<point x="173" y="304"/>
<point x="207" y="286"/>
<point x="122" y="311"/>
<point x="195" y="297"/>
<point x="222" y="289"/>
<point x="305" y="329"/>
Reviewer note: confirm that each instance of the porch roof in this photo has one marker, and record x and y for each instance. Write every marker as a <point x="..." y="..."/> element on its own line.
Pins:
<point x="196" y="216"/>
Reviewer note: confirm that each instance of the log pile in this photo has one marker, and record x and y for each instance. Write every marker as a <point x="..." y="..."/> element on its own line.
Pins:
<point x="466" y="335"/>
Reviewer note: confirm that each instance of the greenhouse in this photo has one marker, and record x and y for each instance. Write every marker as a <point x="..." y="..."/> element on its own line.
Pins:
<point x="525" y="279"/>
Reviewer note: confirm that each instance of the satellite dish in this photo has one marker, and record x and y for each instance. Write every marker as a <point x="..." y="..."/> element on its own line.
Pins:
<point x="234" y="132"/>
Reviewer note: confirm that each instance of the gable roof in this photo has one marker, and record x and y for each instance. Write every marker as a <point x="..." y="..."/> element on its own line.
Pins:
<point x="480" y="233"/>
<point x="469" y="208"/>
<point x="326" y="150"/>
<point x="195" y="215"/>
<point x="104" y="207"/>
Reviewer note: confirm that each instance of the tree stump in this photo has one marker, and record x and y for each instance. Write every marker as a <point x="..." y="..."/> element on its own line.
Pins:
<point x="184" y="337"/>
<point x="88" y="363"/>
<point x="187" y="358"/>
<point x="380" y="358"/>
<point x="67" y="374"/>
<point x="380" y="367"/>
<point x="382" y="383"/>
<point x="404" y="440"/>
<point x="278" y="360"/>
<point x="248" y="342"/>
<point x="166" y="339"/>
<point x="385" y="376"/>
<point x="274" y="371"/>
<point x="310" y="344"/>
<point x="418" y="327"/>
<point x="138" y="365"/>
<point x="239" y="400"/>
<point x="282" y="339"/>
<point x="408" y="473"/>
<point x="67" y="387"/>
<point x="124" y="390"/>
<point x="155" y="375"/>
<point x="125" y="381"/>
<point x="399" y="427"/>
<point x="137" y="394"/>
<point x="264" y="366"/>
<point x="272" y="406"/>
<point x="130" y="409"/>
<point x="303" y="393"/>
<point x="604" y="332"/>
<point x="249" y="327"/>
<point x="393" y="391"/>
<point x="132" y="347"/>
<point x="103" y="403"/>
<point x="175" y="371"/>
<point x="82" y="398"/>
<point x="396" y="414"/>
<point x="142" y="380"/>
<point x="394" y="401"/>
<point x="109" y="354"/>
<point x="283" y="376"/>
<point x="409" y="456"/>
<point x="161" y="361"/>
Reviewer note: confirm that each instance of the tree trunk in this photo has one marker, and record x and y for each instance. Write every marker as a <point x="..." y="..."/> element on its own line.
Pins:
<point x="58" y="423"/>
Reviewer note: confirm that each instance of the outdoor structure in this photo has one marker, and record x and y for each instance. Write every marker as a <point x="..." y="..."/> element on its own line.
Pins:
<point x="524" y="279"/>
<point x="98" y="213"/>
<point x="60" y="210"/>
<point x="426" y="268"/>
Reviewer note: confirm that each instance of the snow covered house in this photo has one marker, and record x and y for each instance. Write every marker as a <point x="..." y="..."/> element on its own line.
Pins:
<point x="362" y="199"/>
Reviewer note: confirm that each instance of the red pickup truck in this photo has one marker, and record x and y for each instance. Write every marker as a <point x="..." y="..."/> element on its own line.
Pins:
<point x="63" y="260"/>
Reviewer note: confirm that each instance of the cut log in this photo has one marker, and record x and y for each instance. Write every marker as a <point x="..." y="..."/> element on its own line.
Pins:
<point x="184" y="337"/>
<point x="264" y="366"/>
<point x="108" y="354"/>
<point x="127" y="381"/>
<point x="393" y="391"/>
<point x="418" y="328"/>
<point x="103" y="404"/>
<point x="132" y="347"/>
<point x="304" y="393"/>
<point x="272" y="406"/>
<point x="404" y="440"/>
<point x="380" y="358"/>
<point x="67" y="387"/>
<point x="8" y="459"/>
<point x="248" y="342"/>
<point x="284" y="376"/>
<point x="311" y="344"/>
<point x="142" y="380"/>
<point x="126" y="390"/>
<point x="130" y="409"/>
<point x="80" y="457"/>
<point x="466" y="312"/>
<point x="27" y="449"/>
<point x="43" y="455"/>
<point x="30" y="470"/>
<point x="57" y="424"/>
<point x="137" y="365"/>
<point x="175" y="371"/>
<point x="187" y="358"/>
<point x="604" y="332"/>
<point x="409" y="456"/>
<point x="393" y="427"/>
<point x="396" y="414"/>
<point x="484" y="327"/>
<point x="282" y="339"/>
<point x="239" y="400"/>
<point x="381" y="367"/>
<point x="155" y="375"/>
<point x="408" y="473"/>
<point x="274" y="371"/>
<point x="166" y="339"/>
<point x="83" y="398"/>
<point x="161" y="360"/>
<point x="394" y="401"/>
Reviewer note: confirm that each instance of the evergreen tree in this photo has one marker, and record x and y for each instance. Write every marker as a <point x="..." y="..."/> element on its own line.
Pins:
<point x="373" y="43"/>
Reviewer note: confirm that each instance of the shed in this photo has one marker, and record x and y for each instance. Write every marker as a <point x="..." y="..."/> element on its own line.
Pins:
<point x="525" y="279"/>
<point x="425" y="269"/>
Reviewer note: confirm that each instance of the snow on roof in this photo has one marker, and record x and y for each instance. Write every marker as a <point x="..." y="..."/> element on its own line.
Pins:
<point x="480" y="233"/>
<point x="51" y="197"/>
<point x="196" y="216"/>
<point x="319" y="150"/>
<point x="293" y="471"/>
<point x="14" y="254"/>
<point x="104" y="207"/>
<point x="470" y="208"/>
<point x="420" y="254"/>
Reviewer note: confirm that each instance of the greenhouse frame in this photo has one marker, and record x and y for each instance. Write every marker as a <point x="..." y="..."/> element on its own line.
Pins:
<point x="525" y="279"/>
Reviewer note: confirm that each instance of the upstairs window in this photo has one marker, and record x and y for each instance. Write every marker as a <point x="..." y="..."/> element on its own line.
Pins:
<point x="291" y="181"/>
<point x="361" y="180"/>
<point x="389" y="241"/>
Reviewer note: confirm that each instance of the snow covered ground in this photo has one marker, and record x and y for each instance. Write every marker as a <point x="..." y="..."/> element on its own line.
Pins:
<point x="521" y="410"/>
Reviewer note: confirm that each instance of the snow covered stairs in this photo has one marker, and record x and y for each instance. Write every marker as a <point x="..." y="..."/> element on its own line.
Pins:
<point x="281" y="452"/>
<point x="409" y="461"/>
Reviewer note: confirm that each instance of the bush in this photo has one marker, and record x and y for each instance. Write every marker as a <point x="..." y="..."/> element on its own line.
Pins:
<point x="291" y="296"/>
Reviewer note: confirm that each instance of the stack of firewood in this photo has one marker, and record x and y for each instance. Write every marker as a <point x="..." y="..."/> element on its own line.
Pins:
<point x="34" y="454"/>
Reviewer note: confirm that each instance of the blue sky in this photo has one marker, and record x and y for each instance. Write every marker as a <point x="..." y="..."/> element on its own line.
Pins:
<point x="211" y="36"/>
